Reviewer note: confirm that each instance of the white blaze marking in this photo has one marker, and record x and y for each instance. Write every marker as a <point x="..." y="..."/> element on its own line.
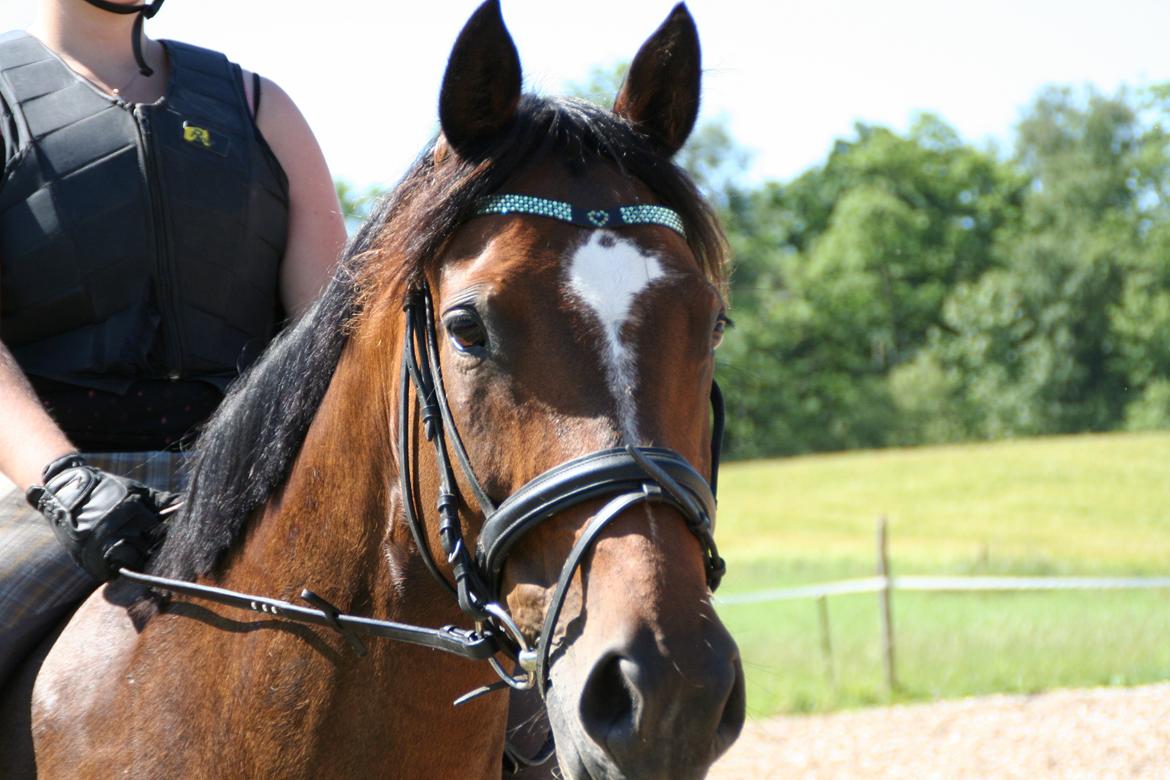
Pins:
<point x="609" y="279"/>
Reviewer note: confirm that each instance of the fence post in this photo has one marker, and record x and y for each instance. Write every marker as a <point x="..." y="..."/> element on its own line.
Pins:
<point x="826" y="639"/>
<point x="885" y="598"/>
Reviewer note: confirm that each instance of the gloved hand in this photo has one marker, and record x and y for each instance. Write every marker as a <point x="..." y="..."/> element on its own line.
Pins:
<point x="104" y="521"/>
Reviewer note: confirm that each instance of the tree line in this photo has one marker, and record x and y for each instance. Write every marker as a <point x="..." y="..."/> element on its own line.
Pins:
<point x="916" y="289"/>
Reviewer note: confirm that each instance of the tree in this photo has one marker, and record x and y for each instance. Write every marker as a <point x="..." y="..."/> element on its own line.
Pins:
<point x="1141" y="316"/>
<point x="842" y="275"/>
<point x="1056" y="339"/>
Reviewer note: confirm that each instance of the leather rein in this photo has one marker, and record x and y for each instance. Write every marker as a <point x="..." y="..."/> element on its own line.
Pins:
<point x="626" y="476"/>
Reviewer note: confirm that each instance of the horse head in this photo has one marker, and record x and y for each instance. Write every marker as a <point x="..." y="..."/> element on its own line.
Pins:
<point x="561" y="341"/>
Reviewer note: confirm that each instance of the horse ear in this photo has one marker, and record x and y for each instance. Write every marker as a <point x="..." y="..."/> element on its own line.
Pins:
<point x="661" y="92"/>
<point x="482" y="84"/>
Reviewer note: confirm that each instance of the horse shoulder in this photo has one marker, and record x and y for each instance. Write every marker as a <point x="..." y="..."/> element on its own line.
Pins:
<point x="80" y="695"/>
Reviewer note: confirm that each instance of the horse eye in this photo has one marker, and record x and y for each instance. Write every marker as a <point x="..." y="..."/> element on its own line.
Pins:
<point x="466" y="330"/>
<point x="722" y="323"/>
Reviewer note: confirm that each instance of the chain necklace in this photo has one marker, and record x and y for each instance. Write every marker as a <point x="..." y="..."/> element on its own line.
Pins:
<point x="81" y="69"/>
<point x="119" y="90"/>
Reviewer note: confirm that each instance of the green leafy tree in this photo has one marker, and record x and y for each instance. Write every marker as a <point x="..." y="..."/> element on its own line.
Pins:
<point x="1141" y="316"/>
<point x="1056" y="338"/>
<point x="843" y="274"/>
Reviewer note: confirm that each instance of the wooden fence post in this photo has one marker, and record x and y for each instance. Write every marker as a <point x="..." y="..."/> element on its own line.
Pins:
<point x="885" y="597"/>
<point x="827" y="640"/>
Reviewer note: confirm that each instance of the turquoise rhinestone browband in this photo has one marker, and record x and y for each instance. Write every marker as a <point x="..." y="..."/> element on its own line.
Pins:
<point x="638" y="214"/>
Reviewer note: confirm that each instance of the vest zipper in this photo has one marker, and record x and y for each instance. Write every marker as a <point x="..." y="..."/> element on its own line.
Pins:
<point x="164" y="281"/>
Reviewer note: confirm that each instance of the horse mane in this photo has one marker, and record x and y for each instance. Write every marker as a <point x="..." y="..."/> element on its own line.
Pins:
<point x="246" y="449"/>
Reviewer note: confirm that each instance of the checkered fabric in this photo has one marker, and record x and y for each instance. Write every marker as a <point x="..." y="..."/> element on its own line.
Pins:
<point x="39" y="582"/>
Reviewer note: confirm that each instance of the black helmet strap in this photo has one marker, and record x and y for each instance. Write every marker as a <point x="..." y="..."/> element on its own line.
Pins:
<point x="145" y="11"/>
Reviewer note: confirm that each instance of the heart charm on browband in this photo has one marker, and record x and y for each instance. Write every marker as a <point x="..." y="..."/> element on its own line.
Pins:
<point x="598" y="218"/>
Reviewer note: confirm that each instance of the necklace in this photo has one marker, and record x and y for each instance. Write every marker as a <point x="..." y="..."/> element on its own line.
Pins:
<point x="118" y="90"/>
<point x="82" y="69"/>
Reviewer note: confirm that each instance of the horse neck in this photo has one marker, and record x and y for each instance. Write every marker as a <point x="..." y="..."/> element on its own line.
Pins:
<point x="336" y="527"/>
<point x="322" y="528"/>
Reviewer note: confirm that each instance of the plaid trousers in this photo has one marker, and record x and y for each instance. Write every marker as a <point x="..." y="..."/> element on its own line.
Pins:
<point x="39" y="582"/>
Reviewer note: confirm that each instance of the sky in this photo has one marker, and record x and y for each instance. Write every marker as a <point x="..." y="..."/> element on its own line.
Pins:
<point x="789" y="76"/>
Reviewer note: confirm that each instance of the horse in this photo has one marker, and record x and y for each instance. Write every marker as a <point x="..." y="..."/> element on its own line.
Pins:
<point x="491" y="439"/>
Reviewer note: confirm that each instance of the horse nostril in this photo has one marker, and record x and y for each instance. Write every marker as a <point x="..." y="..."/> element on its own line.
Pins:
<point x="610" y="703"/>
<point x="626" y="706"/>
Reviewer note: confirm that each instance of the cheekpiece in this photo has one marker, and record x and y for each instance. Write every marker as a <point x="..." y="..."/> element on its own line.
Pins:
<point x="637" y="214"/>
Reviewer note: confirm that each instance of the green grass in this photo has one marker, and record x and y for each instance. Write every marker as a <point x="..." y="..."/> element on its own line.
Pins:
<point x="1082" y="505"/>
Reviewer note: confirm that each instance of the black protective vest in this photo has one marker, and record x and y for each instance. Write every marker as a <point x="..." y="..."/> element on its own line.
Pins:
<point x="136" y="241"/>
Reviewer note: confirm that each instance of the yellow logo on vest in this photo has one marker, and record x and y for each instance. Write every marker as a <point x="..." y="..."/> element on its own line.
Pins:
<point x="197" y="135"/>
<point x="206" y="139"/>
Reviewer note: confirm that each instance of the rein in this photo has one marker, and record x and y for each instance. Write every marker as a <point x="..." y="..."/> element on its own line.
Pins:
<point x="626" y="476"/>
<point x="458" y="641"/>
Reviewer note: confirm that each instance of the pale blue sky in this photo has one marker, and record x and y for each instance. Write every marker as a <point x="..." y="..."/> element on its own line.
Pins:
<point x="790" y="76"/>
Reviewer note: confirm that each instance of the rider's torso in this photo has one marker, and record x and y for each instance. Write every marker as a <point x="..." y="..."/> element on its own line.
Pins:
<point x="137" y="241"/>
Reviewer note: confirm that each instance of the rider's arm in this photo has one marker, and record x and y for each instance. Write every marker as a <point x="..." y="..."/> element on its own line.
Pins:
<point x="28" y="436"/>
<point x="103" y="521"/>
<point x="316" y="230"/>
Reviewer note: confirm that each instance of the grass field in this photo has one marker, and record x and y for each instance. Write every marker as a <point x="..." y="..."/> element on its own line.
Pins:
<point x="1082" y="505"/>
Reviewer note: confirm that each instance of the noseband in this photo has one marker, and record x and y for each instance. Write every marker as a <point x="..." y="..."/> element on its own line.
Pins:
<point x="624" y="477"/>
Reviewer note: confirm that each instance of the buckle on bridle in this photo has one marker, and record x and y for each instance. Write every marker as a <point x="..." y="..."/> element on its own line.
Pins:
<point x="525" y="655"/>
<point x="528" y="658"/>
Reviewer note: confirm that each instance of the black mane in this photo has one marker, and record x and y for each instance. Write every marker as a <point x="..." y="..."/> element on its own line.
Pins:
<point x="247" y="447"/>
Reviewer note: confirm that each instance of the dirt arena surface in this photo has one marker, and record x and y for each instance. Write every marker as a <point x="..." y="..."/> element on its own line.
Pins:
<point x="1082" y="734"/>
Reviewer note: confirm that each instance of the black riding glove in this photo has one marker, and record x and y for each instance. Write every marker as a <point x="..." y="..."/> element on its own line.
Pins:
<point x="104" y="521"/>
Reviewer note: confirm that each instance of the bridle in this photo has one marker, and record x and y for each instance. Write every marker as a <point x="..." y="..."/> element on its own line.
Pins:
<point x="625" y="477"/>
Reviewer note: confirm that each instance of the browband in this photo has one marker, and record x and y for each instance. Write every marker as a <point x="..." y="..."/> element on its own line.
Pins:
<point x="619" y="216"/>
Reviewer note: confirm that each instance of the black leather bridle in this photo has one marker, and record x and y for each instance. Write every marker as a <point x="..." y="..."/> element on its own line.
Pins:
<point x="625" y="476"/>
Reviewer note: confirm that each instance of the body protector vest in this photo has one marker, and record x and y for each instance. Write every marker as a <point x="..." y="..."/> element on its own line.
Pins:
<point x="137" y="241"/>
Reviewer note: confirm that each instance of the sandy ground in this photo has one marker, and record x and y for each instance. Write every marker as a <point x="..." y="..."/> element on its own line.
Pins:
<point x="1099" y="733"/>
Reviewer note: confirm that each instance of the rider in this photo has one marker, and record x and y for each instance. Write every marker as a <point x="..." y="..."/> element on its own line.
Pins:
<point x="161" y="212"/>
